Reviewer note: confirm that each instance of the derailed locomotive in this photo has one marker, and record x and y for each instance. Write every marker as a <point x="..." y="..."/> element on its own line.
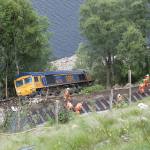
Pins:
<point x="29" y="83"/>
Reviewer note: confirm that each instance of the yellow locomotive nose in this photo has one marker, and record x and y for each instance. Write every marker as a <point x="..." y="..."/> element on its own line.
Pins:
<point x="24" y="86"/>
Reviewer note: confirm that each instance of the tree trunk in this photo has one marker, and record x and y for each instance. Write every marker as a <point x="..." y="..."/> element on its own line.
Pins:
<point x="112" y="72"/>
<point x="108" y="82"/>
<point x="108" y="77"/>
<point x="17" y="67"/>
<point x="6" y="85"/>
<point x="147" y="66"/>
<point x="108" y="73"/>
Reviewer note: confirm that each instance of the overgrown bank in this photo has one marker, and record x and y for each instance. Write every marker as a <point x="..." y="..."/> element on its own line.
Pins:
<point x="122" y="129"/>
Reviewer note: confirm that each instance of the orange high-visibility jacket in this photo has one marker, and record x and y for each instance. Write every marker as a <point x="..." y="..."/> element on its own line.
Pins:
<point x="141" y="88"/>
<point x="67" y="96"/>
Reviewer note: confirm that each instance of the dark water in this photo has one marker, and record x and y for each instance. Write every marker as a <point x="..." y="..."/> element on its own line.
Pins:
<point x="64" y="18"/>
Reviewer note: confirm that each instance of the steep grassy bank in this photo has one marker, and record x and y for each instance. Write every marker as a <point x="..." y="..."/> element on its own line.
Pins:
<point x="122" y="129"/>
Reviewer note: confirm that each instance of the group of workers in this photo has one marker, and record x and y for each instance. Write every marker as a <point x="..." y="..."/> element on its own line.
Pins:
<point x="144" y="84"/>
<point x="70" y="103"/>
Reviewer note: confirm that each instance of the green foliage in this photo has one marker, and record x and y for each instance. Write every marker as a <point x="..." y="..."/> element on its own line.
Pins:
<point x="64" y="115"/>
<point x="50" y="122"/>
<point x="91" y="89"/>
<point x="131" y="51"/>
<point x="116" y="34"/>
<point x="51" y="67"/>
<point x="124" y="129"/>
<point x="8" y="120"/>
<point x="122" y="104"/>
<point x="24" y="39"/>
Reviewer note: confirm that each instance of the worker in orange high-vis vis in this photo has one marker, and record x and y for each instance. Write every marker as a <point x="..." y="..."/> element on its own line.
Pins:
<point x="71" y="104"/>
<point x="78" y="108"/>
<point x="67" y="95"/>
<point x="146" y="80"/>
<point x="67" y="99"/>
<point x="142" y="88"/>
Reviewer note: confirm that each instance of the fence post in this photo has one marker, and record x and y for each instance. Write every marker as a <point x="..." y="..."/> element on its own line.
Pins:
<point x="47" y="92"/>
<point x="111" y="99"/>
<point x="130" y="92"/>
<point x="56" y="111"/>
<point x="19" y="109"/>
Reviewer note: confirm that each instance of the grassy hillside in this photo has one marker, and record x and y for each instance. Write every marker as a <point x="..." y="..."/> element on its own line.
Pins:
<point x="122" y="129"/>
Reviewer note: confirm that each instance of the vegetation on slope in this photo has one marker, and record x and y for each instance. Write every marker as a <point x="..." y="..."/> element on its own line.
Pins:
<point x="92" y="89"/>
<point x="24" y="41"/>
<point x="116" y="39"/>
<point x="122" y="129"/>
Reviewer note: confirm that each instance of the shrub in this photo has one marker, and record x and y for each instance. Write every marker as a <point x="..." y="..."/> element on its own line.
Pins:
<point x="91" y="89"/>
<point x="64" y="115"/>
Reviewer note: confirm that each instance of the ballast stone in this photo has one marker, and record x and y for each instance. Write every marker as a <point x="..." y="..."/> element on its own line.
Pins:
<point x="143" y="106"/>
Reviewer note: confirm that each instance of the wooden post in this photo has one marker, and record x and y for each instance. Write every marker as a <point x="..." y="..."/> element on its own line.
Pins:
<point x="19" y="112"/>
<point x="56" y="112"/>
<point x="6" y="87"/>
<point x="130" y="92"/>
<point x="111" y="99"/>
<point x="47" y="94"/>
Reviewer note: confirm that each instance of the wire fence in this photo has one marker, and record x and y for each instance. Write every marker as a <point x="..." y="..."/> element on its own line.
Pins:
<point x="27" y="117"/>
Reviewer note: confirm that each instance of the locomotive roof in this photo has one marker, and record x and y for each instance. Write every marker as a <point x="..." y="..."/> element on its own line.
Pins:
<point x="49" y="73"/>
<point x="63" y="72"/>
<point x="29" y="73"/>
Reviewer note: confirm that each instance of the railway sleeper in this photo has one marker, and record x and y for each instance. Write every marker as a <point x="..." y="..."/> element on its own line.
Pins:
<point x="105" y="103"/>
<point x="97" y="107"/>
<point x="100" y="105"/>
<point x="86" y="107"/>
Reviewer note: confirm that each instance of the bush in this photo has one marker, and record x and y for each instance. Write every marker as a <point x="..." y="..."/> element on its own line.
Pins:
<point x="64" y="115"/>
<point x="91" y="89"/>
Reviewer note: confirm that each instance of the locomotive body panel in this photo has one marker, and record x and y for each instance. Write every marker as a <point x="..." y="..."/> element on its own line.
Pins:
<point x="24" y="85"/>
<point x="40" y="80"/>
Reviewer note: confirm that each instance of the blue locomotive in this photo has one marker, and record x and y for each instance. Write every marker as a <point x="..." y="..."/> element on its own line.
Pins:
<point x="28" y="83"/>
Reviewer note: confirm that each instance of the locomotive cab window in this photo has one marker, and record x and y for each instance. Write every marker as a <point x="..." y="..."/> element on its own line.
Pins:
<point x="28" y="80"/>
<point x="19" y="83"/>
<point x="36" y="79"/>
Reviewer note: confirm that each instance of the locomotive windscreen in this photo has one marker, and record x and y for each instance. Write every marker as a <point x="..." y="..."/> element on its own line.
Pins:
<point x="50" y="79"/>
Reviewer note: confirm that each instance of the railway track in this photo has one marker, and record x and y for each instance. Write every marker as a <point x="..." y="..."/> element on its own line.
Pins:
<point x="15" y="101"/>
<point x="44" y="109"/>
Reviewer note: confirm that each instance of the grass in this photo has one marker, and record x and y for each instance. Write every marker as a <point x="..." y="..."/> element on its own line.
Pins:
<point x="91" y="89"/>
<point x="122" y="129"/>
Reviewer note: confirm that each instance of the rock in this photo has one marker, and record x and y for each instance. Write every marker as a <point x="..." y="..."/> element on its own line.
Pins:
<point x="74" y="126"/>
<point x="15" y="109"/>
<point x="143" y="106"/>
<point x="27" y="148"/>
<point x="66" y="63"/>
<point x="35" y="100"/>
<point x="125" y="137"/>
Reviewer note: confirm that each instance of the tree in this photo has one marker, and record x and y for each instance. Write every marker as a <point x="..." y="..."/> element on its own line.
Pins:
<point x="105" y="23"/>
<point x="24" y="39"/>
<point x="102" y="25"/>
<point x="131" y="50"/>
<point x="87" y="61"/>
<point x="83" y="57"/>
